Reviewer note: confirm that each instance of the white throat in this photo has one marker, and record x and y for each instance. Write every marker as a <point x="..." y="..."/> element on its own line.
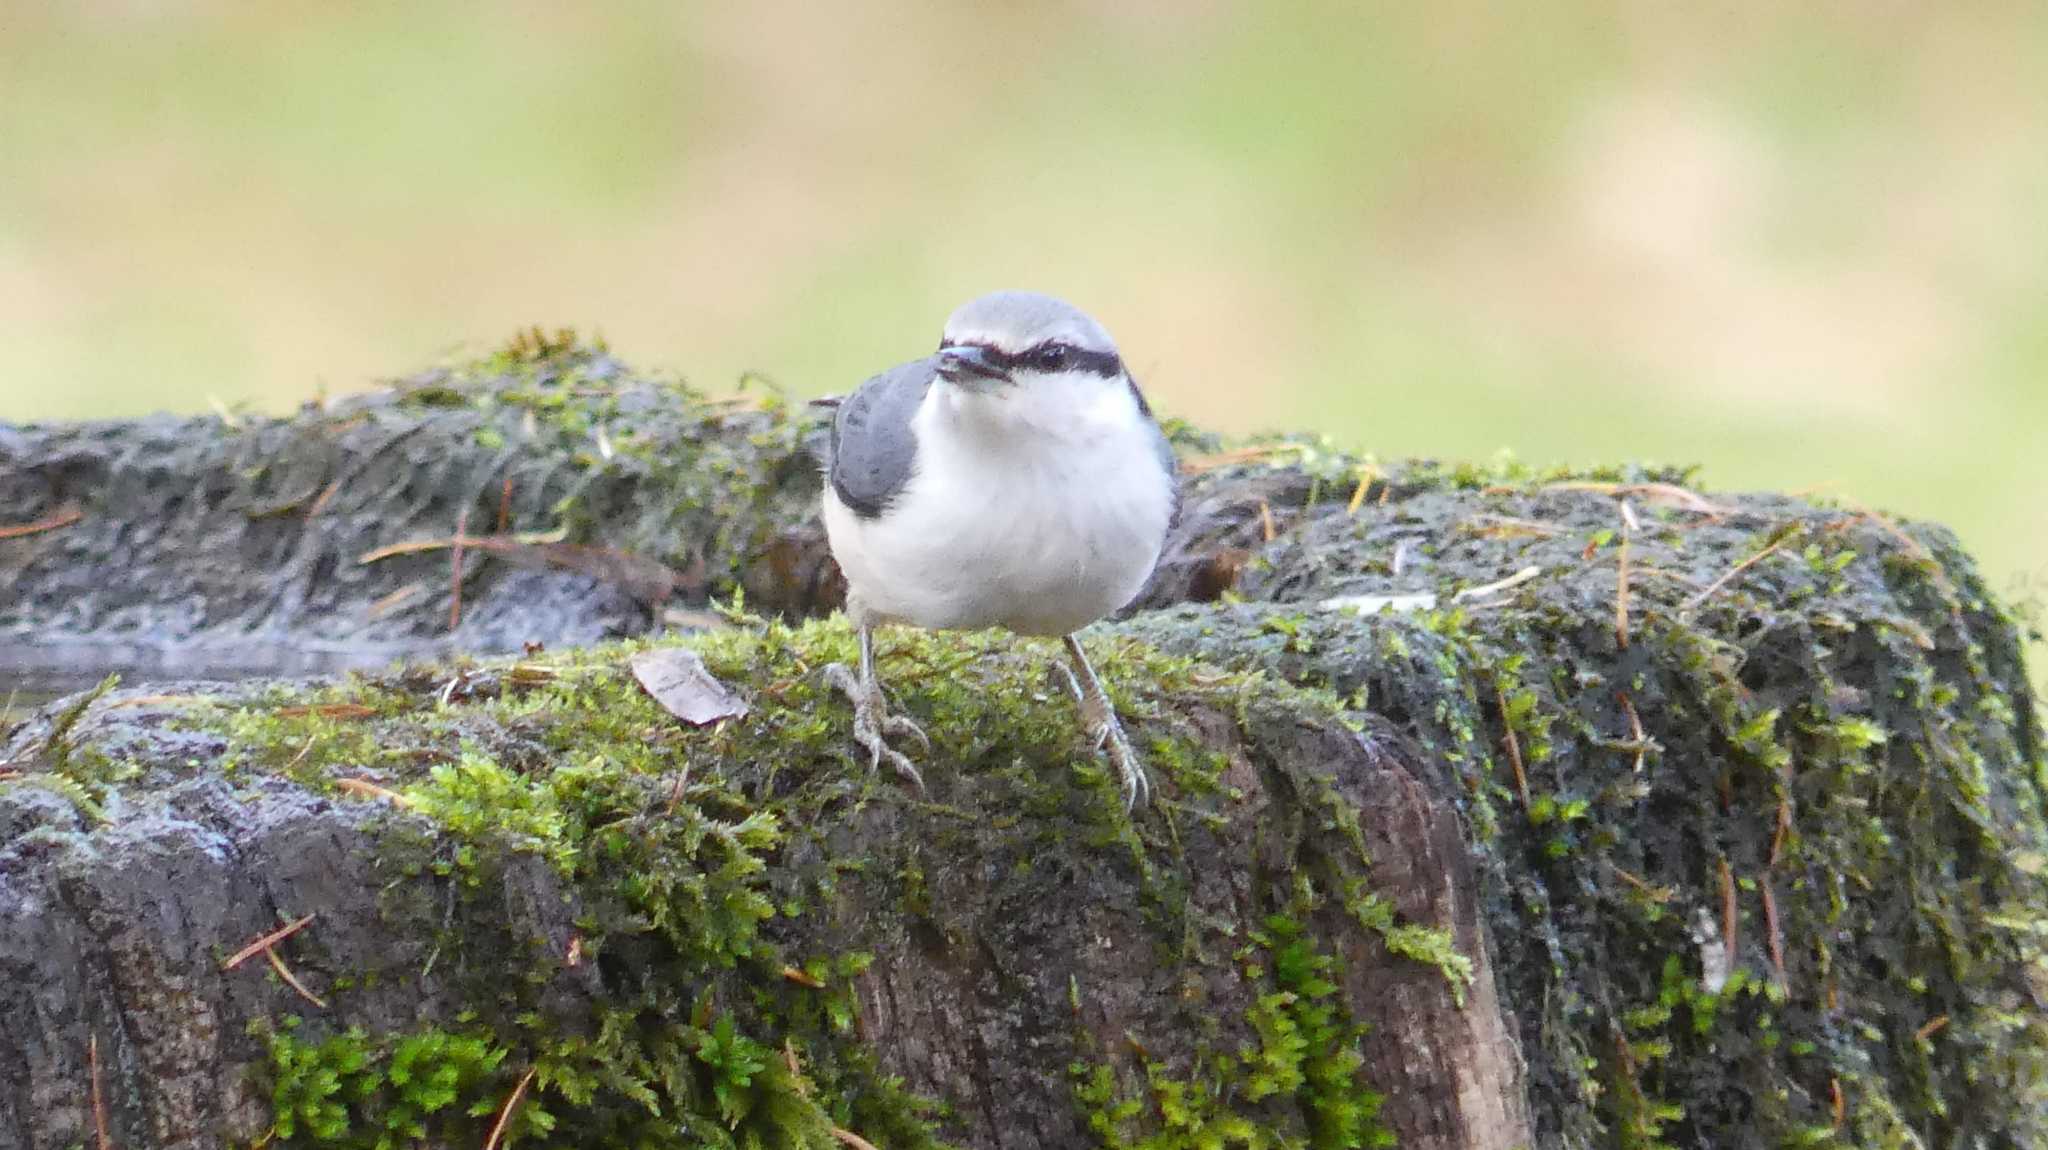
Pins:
<point x="1040" y="413"/>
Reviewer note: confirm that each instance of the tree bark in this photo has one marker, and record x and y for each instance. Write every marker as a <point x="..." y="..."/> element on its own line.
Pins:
<point x="1664" y="819"/>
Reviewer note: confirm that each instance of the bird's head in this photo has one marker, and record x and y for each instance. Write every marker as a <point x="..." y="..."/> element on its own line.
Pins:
<point x="1022" y="347"/>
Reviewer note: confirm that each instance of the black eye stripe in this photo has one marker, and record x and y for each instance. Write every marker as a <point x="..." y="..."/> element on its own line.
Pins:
<point x="1102" y="363"/>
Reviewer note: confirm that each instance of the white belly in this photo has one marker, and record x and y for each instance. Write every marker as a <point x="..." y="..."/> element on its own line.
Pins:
<point x="1038" y="536"/>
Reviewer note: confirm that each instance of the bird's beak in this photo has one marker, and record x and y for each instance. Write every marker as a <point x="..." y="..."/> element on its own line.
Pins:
<point x="970" y="367"/>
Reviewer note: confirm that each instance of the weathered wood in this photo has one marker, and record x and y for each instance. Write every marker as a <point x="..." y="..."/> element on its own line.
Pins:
<point x="1720" y="828"/>
<point x="324" y="540"/>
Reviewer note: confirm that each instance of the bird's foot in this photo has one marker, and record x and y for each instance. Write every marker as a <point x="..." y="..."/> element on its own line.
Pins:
<point x="1106" y="736"/>
<point x="873" y="724"/>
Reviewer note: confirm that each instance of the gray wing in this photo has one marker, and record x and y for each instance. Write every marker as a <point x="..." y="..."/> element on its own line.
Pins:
<point x="1162" y="449"/>
<point x="872" y="447"/>
<point x="1171" y="462"/>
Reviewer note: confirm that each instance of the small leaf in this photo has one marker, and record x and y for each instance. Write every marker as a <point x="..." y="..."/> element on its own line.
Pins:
<point x="678" y="680"/>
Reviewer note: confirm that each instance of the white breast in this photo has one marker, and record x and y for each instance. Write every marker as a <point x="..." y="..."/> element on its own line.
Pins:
<point x="1040" y="510"/>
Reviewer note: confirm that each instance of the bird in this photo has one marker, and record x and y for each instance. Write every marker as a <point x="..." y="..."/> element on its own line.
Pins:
<point x="1017" y="479"/>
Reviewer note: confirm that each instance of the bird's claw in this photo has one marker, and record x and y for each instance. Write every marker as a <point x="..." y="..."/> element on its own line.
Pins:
<point x="1080" y="697"/>
<point x="900" y="726"/>
<point x="1137" y="787"/>
<point x="1106" y="736"/>
<point x="872" y="721"/>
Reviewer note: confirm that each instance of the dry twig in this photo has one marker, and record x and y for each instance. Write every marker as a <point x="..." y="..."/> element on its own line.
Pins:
<point x="1890" y="528"/>
<point x="266" y="942"/>
<point x="326" y="711"/>
<point x="1728" y="914"/>
<point x="486" y="542"/>
<point x="1201" y="463"/>
<point x="364" y="788"/>
<point x="1621" y="593"/>
<point x="1513" y="745"/>
<point x="802" y="978"/>
<point x="1661" y="573"/>
<point x="455" y="570"/>
<point x="1507" y="527"/>
<point x="386" y="604"/>
<point x="99" y="1097"/>
<point x="1635" y="729"/>
<point x="325" y="497"/>
<point x="1653" y="492"/>
<point x="64" y="517"/>
<point x="1365" y="477"/>
<point x="675" y="797"/>
<point x="1494" y="588"/>
<point x="1783" y="828"/>
<point x="152" y="701"/>
<point x="796" y="1070"/>
<point x="1656" y="893"/>
<point x="1776" y="937"/>
<point x="285" y="972"/>
<point x="1735" y="571"/>
<point x="645" y="579"/>
<point x="512" y="1103"/>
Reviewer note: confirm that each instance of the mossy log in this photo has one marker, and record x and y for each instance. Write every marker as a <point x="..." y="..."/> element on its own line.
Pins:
<point x="1649" y="818"/>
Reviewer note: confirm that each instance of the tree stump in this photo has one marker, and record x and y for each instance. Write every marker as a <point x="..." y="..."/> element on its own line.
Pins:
<point x="1494" y="808"/>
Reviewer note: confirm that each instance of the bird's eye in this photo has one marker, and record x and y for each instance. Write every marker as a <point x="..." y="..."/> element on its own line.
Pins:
<point x="1051" y="357"/>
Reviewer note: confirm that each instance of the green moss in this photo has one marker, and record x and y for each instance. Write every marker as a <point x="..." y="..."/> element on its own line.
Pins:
<point x="569" y="760"/>
<point x="1839" y="729"/>
<point x="1842" y="730"/>
<point x="702" y="1086"/>
<point x="665" y="835"/>
<point x="80" y="774"/>
<point x="474" y="798"/>
<point x="350" y="1091"/>
<point x="1295" y="1083"/>
<point x="1430" y="946"/>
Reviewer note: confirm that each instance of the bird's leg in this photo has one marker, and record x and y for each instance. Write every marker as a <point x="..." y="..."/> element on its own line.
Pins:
<point x="871" y="718"/>
<point x="1104" y="731"/>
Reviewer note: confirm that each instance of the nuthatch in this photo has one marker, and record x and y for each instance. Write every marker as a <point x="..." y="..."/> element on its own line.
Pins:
<point x="1015" y="479"/>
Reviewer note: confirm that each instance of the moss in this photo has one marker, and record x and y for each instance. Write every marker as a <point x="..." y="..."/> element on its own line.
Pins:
<point x="666" y="836"/>
<point x="1430" y="946"/>
<point x="568" y="760"/>
<point x="474" y="798"/>
<point x="82" y="775"/>
<point x="350" y="1090"/>
<point x="1295" y="1083"/>
<point x="1771" y="828"/>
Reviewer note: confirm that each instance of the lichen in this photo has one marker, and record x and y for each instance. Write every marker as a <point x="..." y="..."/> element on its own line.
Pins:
<point x="1762" y="844"/>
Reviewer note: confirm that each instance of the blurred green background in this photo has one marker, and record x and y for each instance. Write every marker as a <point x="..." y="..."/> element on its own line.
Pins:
<point x="1805" y="245"/>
